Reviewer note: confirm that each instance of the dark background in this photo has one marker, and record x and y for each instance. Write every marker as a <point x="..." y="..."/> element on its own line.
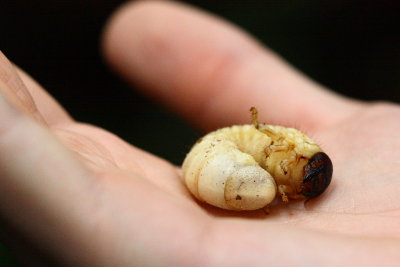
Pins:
<point x="351" y="47"/>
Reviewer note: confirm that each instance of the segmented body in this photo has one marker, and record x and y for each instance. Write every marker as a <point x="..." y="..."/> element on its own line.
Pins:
<point x="243" y="167"/>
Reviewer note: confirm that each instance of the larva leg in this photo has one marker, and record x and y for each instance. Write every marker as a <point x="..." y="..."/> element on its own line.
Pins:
<point x="282" y="189"/>
<point x="254" y="117"/>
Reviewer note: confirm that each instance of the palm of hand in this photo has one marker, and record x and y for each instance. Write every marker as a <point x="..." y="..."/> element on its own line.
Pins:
<point x="359" y="195"/>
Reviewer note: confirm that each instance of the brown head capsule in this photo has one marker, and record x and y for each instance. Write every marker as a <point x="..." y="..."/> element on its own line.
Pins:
<point x="317" y="175"/>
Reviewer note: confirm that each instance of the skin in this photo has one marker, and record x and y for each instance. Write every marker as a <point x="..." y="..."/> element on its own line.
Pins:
<point x="87" y="197"/>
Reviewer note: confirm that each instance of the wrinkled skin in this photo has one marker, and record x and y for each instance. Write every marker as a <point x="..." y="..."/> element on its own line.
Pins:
<point x="108" y="203"/>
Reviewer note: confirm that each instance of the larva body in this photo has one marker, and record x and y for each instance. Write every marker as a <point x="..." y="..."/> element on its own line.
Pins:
<point x="243" y="167"/>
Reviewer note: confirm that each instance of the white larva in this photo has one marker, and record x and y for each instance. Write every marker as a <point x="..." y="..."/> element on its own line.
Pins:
<point x="243" y="167"/>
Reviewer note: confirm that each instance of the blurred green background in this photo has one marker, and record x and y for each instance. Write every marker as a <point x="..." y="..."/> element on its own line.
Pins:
<point x="351" y="47"/>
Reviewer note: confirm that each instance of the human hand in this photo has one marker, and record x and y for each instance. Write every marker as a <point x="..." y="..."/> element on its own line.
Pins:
<point x="90" y="198"/>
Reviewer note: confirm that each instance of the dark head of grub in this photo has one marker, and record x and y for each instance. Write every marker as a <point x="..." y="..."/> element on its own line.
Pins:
<point x="317" y="175"/>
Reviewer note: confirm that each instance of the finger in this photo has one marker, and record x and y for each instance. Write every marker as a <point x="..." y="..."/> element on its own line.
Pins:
<point x="28" y="96"/>
<point x="211" y="72"/>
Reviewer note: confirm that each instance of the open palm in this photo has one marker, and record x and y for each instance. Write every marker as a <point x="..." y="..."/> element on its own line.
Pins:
<point x="88" y="197"/>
